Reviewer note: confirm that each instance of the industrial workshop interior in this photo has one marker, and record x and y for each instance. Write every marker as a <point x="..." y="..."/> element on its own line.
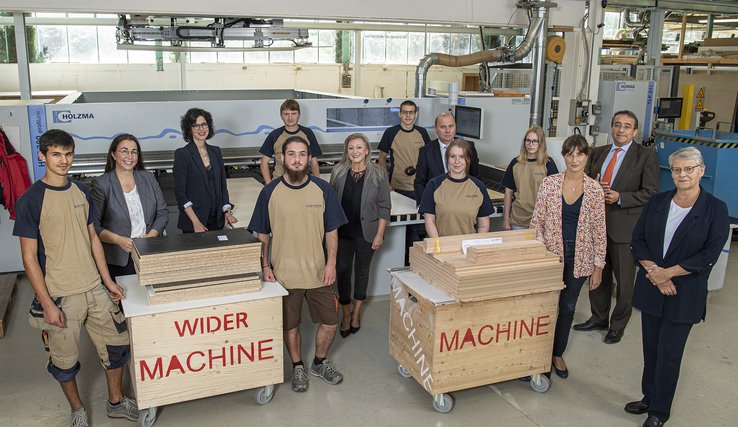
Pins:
<point x="380" y="213"/>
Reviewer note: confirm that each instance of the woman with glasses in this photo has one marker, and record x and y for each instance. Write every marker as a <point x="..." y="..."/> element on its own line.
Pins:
<point x="364" y="191"/>
<point x="523" y="177"/>
<point x="456" y="203"/>
<point x="128" y="203"/>
<point x="200" y="177"/>
<point x="676" y="241"/>
<point x="569" y="217"/>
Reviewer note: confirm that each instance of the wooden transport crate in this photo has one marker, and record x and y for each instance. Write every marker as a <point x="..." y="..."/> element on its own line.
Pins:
<point x="447" y="345"/>
<point x="7" y="292"/>
<point x="183" y="259"/>
<point x="519" y="263"/>
<point x="194" y="349"/>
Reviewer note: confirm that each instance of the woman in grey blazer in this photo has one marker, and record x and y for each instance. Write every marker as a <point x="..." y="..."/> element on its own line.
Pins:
<point x="364" y="191"/>
<point x="128" y="203"/>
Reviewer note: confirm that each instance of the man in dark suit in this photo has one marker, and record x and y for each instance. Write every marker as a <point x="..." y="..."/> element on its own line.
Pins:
<point x="431" y="161"/>
<point x="628" y="172"/>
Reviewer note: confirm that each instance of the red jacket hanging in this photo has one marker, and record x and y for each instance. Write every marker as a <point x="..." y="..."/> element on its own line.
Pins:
<point x="13" y="174"/>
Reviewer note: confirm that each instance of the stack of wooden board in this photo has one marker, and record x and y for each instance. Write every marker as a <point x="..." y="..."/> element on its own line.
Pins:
<point x="516" y="265"/>
<point x="198" y="265"/>
<point x="7" y="291"/>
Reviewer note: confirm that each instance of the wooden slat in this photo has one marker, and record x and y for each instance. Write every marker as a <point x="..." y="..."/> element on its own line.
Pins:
<point x="206" y="290"/>
<point x="7" y="292"/>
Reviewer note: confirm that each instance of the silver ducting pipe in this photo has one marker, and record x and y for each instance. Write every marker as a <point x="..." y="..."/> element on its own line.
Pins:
<point x="539" y="62"/>
<point x="500" y="54"/>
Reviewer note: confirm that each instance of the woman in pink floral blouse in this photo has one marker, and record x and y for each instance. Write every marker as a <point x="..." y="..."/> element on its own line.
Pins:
<point x="569" y="217"/>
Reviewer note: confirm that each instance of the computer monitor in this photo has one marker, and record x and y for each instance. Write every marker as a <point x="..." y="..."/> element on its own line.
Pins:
<point x="670" y="108"/>
<point x="469" y="121"/>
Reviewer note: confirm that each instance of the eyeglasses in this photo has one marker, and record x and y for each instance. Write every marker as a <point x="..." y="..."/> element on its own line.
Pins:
<point x="201" y="126"/>
<point x="124" y="152"/>
<point x="408" y="112"/>
<point x="531" y="142"/>
<point x="626" y="126"/>
<point x="687" y="169"/>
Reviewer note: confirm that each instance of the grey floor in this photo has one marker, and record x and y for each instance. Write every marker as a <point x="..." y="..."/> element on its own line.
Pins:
<point x="603" y="378"/>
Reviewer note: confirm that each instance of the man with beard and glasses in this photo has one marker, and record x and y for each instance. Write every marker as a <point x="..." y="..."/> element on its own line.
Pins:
<point x="303" y="214"/>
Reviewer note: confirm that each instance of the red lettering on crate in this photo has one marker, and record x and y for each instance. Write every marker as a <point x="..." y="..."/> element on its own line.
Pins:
<point x="492" y="334"/>
<point x="211" y="324"/>
<point x="211" y="358"/>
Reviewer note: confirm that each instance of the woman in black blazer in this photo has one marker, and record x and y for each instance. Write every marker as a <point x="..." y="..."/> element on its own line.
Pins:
<point x="128" y="203"/>
<point x="200" y="177"/>
<point x="364" y="191"/>
<point x="676" y="241"/>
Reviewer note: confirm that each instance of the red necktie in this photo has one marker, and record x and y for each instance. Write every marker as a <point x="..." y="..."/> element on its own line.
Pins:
<point x="611" y="167"/>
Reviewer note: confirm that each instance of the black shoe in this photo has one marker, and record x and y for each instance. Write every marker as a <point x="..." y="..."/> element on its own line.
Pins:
<point x="345" y="333"/>
<point x="355" y="329"/>
<point x="562" y="373"/>
<point x="590" y="325"/>
<point x="653" y="421"/>
<point x="613" y="337"/>
<point x="637" y="407"/>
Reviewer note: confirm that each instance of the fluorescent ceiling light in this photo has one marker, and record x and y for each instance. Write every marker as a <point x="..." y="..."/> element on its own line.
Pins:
<point x="720" y="21"/>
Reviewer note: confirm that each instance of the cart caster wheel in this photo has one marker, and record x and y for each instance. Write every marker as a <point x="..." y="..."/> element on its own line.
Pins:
<point x="147" y="417"/>
<point x="540" y="383"/>
<point x="404" y="372"/>
<point x="443" y="403"/>
<point x="265" y="394"/>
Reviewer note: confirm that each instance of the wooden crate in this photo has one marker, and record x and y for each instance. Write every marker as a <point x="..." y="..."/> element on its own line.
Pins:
<point x="7" y="292"/>
<point x="448" y="345"/>
<point x="186" y="258"/>
<point x="519" y="263"/>
<point x="195" y="349"/>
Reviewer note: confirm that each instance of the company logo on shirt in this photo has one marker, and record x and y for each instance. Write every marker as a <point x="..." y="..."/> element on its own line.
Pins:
<point x="318" y="206"/>
<point x="471" y="196"/>
<point x="80" y="205"/>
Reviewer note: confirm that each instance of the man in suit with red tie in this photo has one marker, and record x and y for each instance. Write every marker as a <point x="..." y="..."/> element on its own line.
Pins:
<point x="629" y="174"/>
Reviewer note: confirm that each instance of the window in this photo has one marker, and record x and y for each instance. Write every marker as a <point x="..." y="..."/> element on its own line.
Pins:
<point x="53" y="43"/>
<point x="82" y="40"/>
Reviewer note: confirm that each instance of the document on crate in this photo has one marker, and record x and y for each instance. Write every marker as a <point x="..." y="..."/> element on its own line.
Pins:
<point x="466" y="244"/>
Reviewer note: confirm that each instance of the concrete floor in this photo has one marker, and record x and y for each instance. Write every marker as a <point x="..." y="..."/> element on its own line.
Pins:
<point x="603" y="378"/>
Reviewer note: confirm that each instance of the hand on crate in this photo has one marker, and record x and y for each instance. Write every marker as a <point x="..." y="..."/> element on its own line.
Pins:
<point x="268" y="274"/>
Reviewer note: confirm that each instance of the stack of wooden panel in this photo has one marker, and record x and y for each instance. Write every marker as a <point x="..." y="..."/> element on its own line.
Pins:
<point x="198" y="265"/>
<point x="516" y="265"/>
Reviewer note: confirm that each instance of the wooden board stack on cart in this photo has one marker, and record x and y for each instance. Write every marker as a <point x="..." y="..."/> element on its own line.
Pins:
<point x="517" y="264"/>
<point x="460" y="321"/>
<point x="197" y="265"/>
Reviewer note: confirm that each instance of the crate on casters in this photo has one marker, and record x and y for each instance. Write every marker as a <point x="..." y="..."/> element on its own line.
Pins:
<point x="447" y="344"/>
<point x="201" y="348"/>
